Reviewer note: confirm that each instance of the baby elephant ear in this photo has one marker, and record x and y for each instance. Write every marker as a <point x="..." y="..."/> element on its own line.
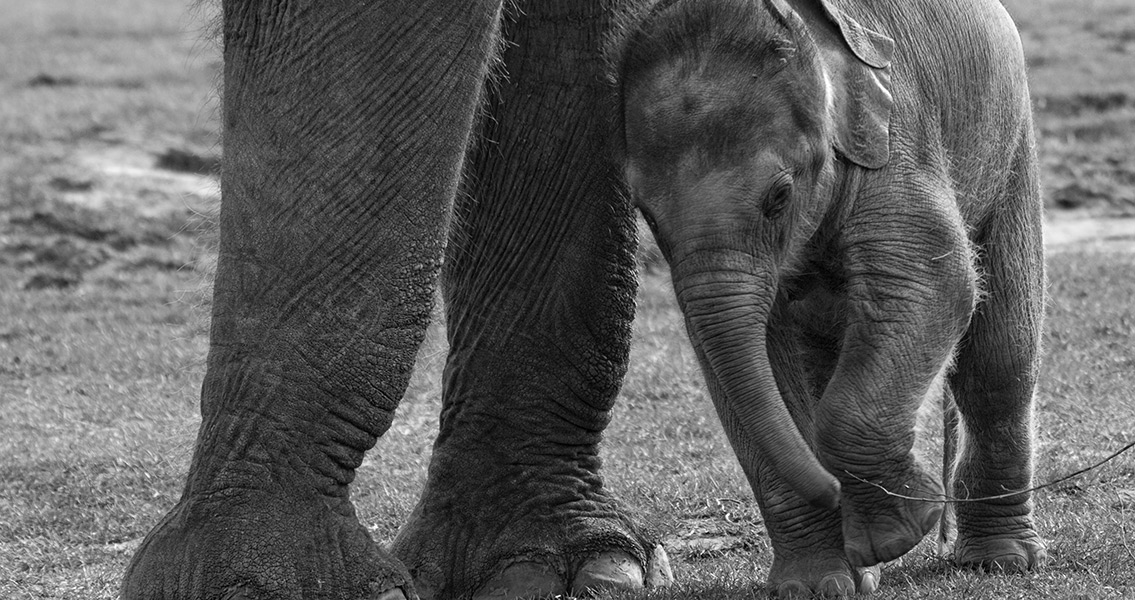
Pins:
<point x="862" y="100"/>
<point x="871" y="47"/>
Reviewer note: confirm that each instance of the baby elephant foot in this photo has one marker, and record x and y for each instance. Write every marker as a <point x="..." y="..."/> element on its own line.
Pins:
<point x="610" y="570"/>
<point x="995" y="537"/>
<point x="823" y="577"/>
<point x="1001" y="554"/>
<point x="883" y="520"/>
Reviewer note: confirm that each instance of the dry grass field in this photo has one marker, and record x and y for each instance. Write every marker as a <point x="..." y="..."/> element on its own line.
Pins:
<point x="107" y="133"/>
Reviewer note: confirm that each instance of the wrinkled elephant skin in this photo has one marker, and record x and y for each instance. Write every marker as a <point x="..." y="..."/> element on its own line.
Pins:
<point x="348" y="128"/>
<point x="826" y="182"/>
<point x="374" y="151"/>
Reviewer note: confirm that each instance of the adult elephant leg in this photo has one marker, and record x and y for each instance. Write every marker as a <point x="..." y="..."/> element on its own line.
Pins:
<point x="539" y="290"/>
<point x="808" y="553"/>
<point x="997" y="368"/>
<point x="911" y="289"/>
<point x="345" y="126"/>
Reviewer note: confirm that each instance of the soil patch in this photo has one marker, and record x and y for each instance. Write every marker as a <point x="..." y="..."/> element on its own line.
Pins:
<point x="1066" y="231"/>
<point x="114" y="208"/>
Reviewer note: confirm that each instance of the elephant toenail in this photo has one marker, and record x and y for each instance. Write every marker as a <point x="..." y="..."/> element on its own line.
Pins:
<point x="522" y="580"/>
<point x="608" y="570"/>
<point x="393" y="594"/>
<point x="1009" y="563"/>
<point x="660" y="574"/>
<point x="836" y="586"/>
<point x="868" y="580"/>
<point x="793" y="589"/>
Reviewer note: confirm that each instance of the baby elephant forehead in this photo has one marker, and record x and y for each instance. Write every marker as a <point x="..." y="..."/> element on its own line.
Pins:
<point x="694" y="86"/>
<point x="718" y="110"/>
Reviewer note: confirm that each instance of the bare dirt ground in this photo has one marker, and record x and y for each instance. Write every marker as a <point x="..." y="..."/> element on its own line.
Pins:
<point x="1106" y="234"/>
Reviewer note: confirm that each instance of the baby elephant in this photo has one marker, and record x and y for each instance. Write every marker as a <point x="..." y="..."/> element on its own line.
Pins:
<point x="847" y="195"/>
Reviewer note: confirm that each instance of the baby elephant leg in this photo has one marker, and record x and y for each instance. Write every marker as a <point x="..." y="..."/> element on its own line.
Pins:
<point x="911" y="289"/>
<point x="994" y="383"/>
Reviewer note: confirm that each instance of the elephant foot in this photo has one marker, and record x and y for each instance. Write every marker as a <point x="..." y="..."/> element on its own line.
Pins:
<point x="995" y="535"/>
<point x="531" y="561"/>
<point x="882" y="524"/>
<point x="244" y="544"/>
<point x="523" y="531"/>
<point x="1001" y="554"/>
<point x="607" y="570"/>
<point x="828" y="576"/>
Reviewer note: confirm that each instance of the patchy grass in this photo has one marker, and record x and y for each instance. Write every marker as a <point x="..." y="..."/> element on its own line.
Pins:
<point x="101" y="102"/>
<point x="105" y="253"/>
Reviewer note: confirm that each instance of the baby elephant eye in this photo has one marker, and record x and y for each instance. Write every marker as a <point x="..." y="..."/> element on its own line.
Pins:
<point x="778" y="196"/>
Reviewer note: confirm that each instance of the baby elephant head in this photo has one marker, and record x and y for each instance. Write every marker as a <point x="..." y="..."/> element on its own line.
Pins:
<point x="733" y="116"/>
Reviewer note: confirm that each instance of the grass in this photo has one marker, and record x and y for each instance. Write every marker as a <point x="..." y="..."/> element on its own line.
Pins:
<point x="104" y="265"/>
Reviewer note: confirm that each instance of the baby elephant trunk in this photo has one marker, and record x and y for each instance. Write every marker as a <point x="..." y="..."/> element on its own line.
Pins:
<point x="727" y="314"/>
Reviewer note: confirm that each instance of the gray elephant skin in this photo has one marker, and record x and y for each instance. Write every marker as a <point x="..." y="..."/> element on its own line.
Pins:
<point x="847" y="196"/>
<point x="848" y="200"/>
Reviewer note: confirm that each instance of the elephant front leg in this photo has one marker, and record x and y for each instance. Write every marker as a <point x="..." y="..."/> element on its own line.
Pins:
<point x="539" y="289"/>
<point x="514" y="506"/>
<point x="911" y="289"/>
<point x="345" y="127"/>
